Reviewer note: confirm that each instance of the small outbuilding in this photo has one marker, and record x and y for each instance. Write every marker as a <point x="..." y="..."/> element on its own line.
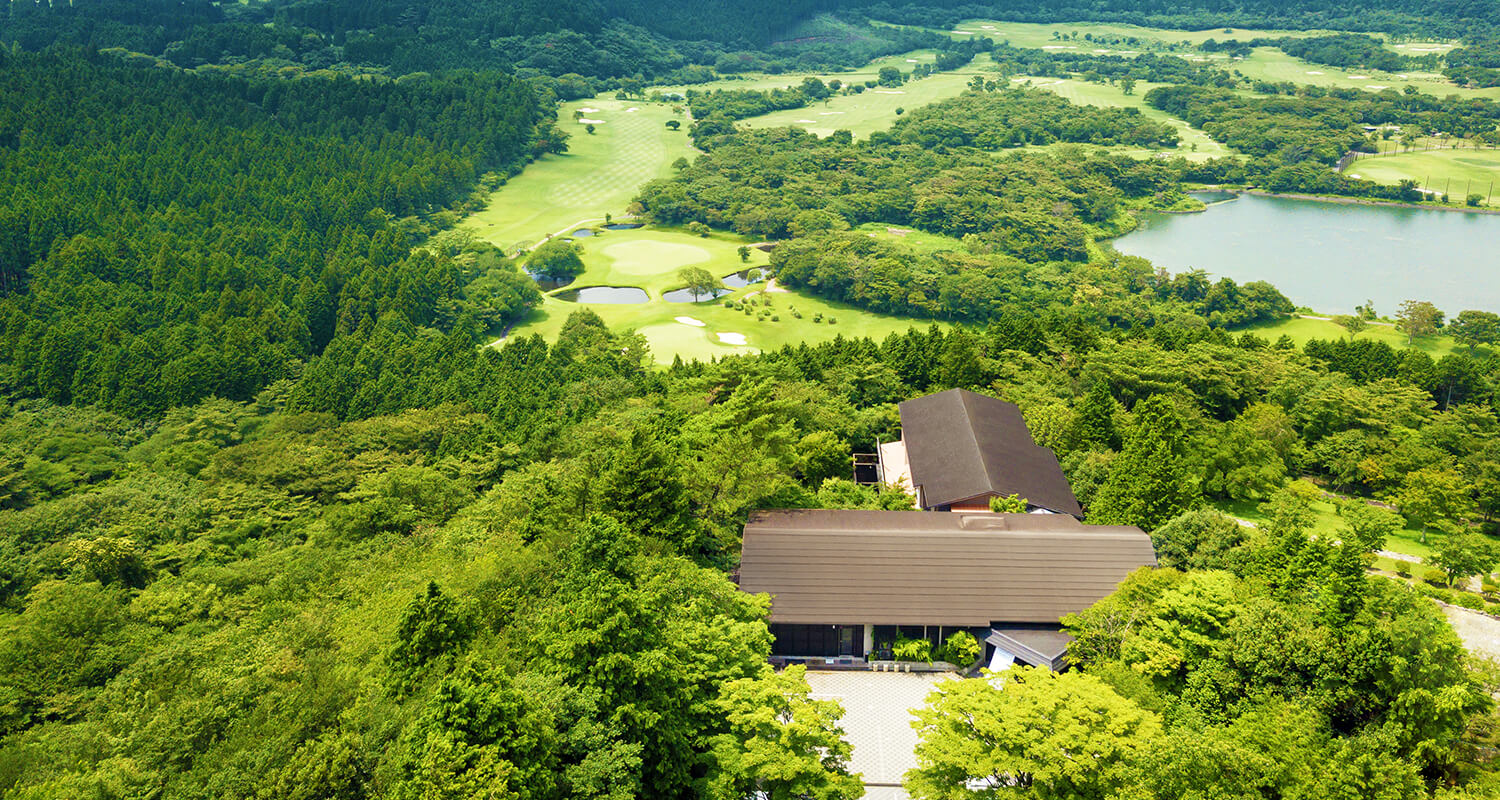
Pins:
<point x="849" y="583"/>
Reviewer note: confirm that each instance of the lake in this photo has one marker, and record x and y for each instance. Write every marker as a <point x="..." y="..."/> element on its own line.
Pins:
<point x="1333" y="256"/>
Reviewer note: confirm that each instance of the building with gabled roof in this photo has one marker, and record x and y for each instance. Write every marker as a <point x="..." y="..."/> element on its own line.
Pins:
<point x="848" y="583"/>
<point x="958" y="449"/>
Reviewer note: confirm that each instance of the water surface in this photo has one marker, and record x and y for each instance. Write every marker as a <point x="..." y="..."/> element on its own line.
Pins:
<point x="1333" y="256"/>
<point x="604" y="294"/>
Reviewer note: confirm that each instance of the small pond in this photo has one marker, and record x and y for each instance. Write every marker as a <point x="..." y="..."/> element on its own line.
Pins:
<point x="741" y="279"/>
<point x="548" y="284"/>
<point x="624" y="226"/>
<point x="685" y="296"/>
<point x="582" y="232"/>
<point x="604" y="294"/>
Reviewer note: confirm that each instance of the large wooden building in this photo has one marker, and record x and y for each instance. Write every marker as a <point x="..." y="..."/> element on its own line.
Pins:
<point x="958" y="449"/>
<point x="848" y="583"/>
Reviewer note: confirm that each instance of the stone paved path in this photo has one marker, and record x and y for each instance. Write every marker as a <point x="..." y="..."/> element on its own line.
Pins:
<point x="877" y="722"/>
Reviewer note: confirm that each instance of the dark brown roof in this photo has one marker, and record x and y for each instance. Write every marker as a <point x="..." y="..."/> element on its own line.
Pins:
<point x="932" y="567"/>
<point x="963" y="445"/>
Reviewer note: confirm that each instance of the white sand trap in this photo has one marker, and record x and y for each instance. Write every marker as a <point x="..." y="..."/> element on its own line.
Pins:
<point x="631" y="110"/>
<point x="888" y="91"/>
<point x="911" y="61"/>
<point x="772" y="288"/>
<point x="1100" y="50"/>
<point x="964" y="33"/>
<point x="732" y="338"/>
<point x="1377" y="88"/>
<point x="1402" y="77"/>
<point x="696" y="323"/>
<point x="589" y="110"/>
<point x="1359" y="77"/>
<point x="1354" y="174"/>
<point x="988" y="27"/>
<point x="806" y="122"/>
<point x="1314" y="72"/>
<point x="828" y="113"/>
<point x="587" y="121"/>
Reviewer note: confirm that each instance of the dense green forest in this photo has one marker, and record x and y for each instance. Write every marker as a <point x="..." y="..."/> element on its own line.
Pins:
<point x="166" y="237"/>
<point x="276" y="523"/>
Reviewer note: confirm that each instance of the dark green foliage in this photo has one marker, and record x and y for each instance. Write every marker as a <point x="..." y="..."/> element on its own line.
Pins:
<point x="556" y="260"/>
<point x="432" y="626"/>
<point x="1201" y="539"/>
<point x="169" y="236"/>
<point x="1152" y="480"/>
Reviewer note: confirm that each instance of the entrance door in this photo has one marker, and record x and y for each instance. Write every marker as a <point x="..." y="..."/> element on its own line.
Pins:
<point x="846" y="640"/>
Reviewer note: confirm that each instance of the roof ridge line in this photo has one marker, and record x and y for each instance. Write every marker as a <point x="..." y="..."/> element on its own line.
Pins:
<point x="984" y="467"/>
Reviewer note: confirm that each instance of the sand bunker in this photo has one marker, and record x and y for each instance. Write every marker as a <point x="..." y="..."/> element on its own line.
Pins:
<point x="629" y="110"/>
<point x="965" y="33"/>
<point x="589" y="110"/>
<point x="911" y="61"/>
<point x="806" y="122"/>
<point x="696" y="323"/>
<point x="1314" y="72"/>
<point x="1376" y="88"/>
<point x="828" y="113"/>
<point x="587" y="121"/>
<point x="1359" y="77"/>
<point x="732" y="338"/>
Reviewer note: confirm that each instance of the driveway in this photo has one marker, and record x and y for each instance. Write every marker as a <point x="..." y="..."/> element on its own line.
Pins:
<point x="877" y="722"/>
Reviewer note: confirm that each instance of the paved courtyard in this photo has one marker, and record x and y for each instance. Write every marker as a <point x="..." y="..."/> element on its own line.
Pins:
<point x="877" y="722"/>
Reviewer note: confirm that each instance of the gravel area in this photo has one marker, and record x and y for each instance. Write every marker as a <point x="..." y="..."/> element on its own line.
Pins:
<point x="1480" y="632"/>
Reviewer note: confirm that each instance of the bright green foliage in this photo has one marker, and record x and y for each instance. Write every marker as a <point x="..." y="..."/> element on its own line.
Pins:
<point x="822" y="455"/>
<point x="1461" y="555"/>
<point x="1431" y="495"/>
<point x="1198" y="539"/>
<point x="1369" y="526"/>
<point x="1152" y="480"/>
<point x="432" y="626"/>
<point x="1474" y="328"/>
<point x="1059" y="735"/>
<point x="961" y="649"/>
<point x="555" y="260"/>
<point x="904" y="649"/>
<point x="1012" y="504"/>
<point x="781" y="745"/>
<point x="699" y="281"/>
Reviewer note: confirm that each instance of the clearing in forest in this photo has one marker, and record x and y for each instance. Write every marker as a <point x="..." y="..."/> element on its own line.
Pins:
<point x="875" y="108"/>
<point x="598" y="175"/>
<point x="649" y="259"/>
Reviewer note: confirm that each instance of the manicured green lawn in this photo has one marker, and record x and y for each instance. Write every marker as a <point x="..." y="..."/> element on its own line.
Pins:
<point x="650" y="259"/>
<point x="874" y="109"/>
<point x="1455" y="172"/>
<point x="1328" y="523"/>
<point x="1271" y="64"/>
<point x="598" y="175"/>
<point x="1194" y="144"/>
<point x="1302" y="329"/>
<point x="1039" y="35"/>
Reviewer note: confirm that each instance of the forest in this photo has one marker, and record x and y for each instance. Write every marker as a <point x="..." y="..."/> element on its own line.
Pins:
<point x="168" y="237"/>
<point x="280" y="518"/>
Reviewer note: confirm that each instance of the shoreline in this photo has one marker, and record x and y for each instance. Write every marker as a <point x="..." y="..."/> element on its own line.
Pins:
<point x="1353" y="201"/>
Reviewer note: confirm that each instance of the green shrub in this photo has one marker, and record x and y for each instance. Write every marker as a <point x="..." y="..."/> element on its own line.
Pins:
<point x="832" y="321"/>
<point x="1403" y="569"/>
<point x="1468" y="600"/>
<point x="1434" y="575"/>
<point x="912" y="650"/>
<point x="775" y="318"/>
<point x="961" y="649"/>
